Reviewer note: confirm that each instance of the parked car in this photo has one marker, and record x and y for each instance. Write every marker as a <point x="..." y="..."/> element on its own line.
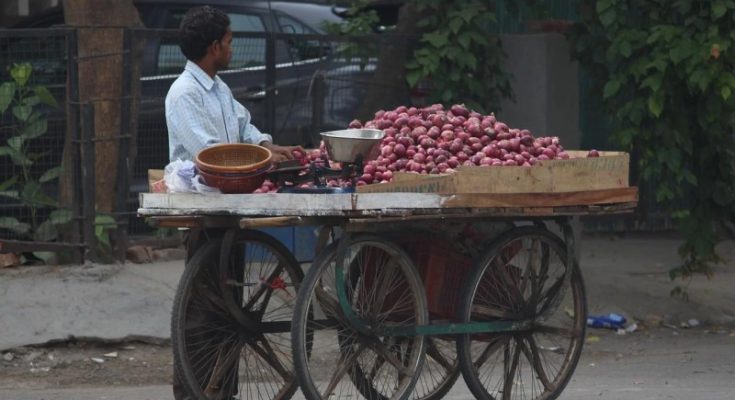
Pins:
<point x="298" y="62"/>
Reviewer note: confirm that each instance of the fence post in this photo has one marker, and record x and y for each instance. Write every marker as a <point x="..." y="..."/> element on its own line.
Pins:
<point x="122" y="188"/>
<point x="73" y="112"/>
<point x="270" y="84"/>
<point x="88" y="177"/>
<point x="318" y="93"/>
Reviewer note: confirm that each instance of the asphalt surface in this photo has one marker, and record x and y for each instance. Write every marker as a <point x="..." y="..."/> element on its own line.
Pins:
<point x="629" y="276"/>
<point x="679" y="364"/>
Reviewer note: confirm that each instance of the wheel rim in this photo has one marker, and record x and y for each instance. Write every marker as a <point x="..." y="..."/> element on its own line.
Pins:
<point x="384" y="290"/>
<point x="525" y="279"/>
<point x="440" y="369"/>
<point x="225" y="358"/>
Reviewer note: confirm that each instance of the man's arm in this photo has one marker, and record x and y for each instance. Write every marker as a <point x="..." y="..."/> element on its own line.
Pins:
<point x="188" y="121"/>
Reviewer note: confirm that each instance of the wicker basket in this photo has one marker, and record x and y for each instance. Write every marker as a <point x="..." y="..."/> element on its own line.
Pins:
<point x="233" y="158"/>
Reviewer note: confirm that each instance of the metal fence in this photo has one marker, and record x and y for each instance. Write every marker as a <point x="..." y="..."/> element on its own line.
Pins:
<point x="48" y="51"/>
<point x="294" y="86"/>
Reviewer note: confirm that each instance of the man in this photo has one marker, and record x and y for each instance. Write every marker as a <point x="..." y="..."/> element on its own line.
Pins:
<point x="200" y="108"/>
<point x="201" y="111"/>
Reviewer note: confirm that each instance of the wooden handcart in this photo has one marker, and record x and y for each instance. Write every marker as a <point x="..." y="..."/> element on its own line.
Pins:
<point x="407" y="292"/>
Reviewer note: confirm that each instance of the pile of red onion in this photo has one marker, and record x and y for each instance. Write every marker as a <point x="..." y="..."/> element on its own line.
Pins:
<point x="433" y="140"/>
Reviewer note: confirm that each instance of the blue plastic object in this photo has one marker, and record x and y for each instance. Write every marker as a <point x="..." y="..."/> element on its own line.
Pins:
<point x="609" y="321"/>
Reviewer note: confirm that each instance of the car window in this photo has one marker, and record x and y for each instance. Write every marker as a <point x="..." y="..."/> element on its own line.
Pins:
<point x="290" y="25"/>
<point x="246" y="52"/>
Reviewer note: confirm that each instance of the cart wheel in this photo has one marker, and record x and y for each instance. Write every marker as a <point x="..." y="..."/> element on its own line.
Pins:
<point x="439" y="373"/>
<point x="522" y="276"/>
<point x="384" y="290"/>
<point x="230" y="327"/>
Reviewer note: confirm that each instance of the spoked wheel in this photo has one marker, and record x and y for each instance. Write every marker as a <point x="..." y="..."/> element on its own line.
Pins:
<point x="384" y="290"/>
<point x="440" y="371"/>
<point x="231" y="319"/>
<point x="523" y="277"/>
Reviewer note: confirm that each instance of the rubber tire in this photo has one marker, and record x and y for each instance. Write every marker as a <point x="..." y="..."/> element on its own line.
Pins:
<point x="209" y="252"/>
<point x="302" y="308"/>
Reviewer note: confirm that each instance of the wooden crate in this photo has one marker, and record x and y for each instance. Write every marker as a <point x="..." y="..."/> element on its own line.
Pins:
<point x="581" y="174"/>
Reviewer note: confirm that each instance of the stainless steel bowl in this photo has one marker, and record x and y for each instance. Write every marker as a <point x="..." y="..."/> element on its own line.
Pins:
<point x="349" y="145"/>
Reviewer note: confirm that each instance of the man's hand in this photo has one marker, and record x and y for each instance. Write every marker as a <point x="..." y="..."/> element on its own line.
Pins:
<point x="282" y="153"/>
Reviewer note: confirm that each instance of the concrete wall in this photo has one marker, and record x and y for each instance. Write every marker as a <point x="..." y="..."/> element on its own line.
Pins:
<point x="546" y="86"/>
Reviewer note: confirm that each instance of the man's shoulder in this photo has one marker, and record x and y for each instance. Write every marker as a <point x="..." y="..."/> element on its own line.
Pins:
<point x="184" y="85"/>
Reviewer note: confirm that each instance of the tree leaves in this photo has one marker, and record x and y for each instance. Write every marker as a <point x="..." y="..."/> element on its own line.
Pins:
<point x="45" y="96"/>
<point x="21" y="73"/>
<point x="611" y="88"/>
<point x="667" y="76"/>
<point x="718" y="9"/>
<point x="51" y="174"/>
<point x="7" y="92"/>
<point x="14" y="225"/>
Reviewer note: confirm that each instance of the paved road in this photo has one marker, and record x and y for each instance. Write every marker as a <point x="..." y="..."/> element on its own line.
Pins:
<point x="692" y="364"/>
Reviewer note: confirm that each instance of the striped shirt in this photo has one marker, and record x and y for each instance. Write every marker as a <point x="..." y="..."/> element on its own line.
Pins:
<point x="201" y="111"/>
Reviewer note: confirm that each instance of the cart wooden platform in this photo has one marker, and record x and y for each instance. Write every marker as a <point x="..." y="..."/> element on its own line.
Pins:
<point x="407" y="292"/>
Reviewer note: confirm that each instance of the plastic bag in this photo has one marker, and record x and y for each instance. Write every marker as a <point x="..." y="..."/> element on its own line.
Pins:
<point x="181" y="177"/>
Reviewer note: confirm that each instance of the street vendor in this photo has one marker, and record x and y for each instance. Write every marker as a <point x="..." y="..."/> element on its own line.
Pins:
<point x="200" y="108"/>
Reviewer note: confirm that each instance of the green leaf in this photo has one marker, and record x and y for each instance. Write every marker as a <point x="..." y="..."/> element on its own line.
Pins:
<point x="105" y="221"/>
<point x="46" y="97"/>
<point x="412" y="77"/>
<point x="22" y="112"/>
<point x="46" y="256"/>
<point x="464" y="41"/>
<point x="656" y="104"/>
<point x="455" y="24"/>
<point x="10" y="194"/>
<point x="437" y="39"/>
<point x="5" y="151"/>
<point x="8" y="183"/>
<point x="46" y="232"/>
<point x="626" y="49"/>
<point x="603" y="5"/>
<point x="51" y="174"/>
<point x="718" y="9"/>
<point x="35" y="128"/>
<point x="679" y="53"/>
<point x="33" y="194"/>
<point x="7" y="91"/>
<point x="611" y="88"/>
<point x="689" y="176"/>
<point x="726" y="92"/>
<point x="14" y="225"/>
<point x="18" y="157"/>
<point x="20" y="73"/>
<point x="16" y="143"/>
<point x="61" y="216"/>
<point x="653" y="82"/>
<point x="31" y="101"/>
<point x="607" y="18"/>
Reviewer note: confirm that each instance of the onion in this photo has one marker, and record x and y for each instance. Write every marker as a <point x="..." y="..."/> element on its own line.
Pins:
<point x="447" y="135"/>
<point x="593" y="153"/>
<point x="355" y="124"/>
<point x="459" y="109"/>
<point x="433" y="132"/>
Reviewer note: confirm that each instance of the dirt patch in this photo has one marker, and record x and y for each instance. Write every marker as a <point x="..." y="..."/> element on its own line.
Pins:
<point x="78" y="364"/>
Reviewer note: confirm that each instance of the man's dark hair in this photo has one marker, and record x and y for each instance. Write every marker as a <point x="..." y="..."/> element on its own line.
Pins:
<point x="200" y="27"/>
